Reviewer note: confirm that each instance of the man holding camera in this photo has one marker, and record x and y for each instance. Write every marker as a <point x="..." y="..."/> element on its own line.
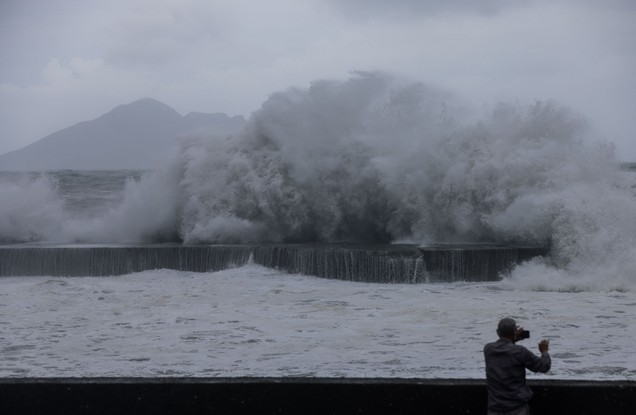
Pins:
<point x="506" y="364"/>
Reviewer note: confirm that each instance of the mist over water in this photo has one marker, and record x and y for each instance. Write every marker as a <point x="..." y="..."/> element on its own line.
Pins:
<point x="376" y="159"/>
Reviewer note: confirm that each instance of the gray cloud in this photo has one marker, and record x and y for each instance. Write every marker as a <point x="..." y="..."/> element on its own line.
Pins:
<point x="160" y="33"/>
<point x="365" y="9"/>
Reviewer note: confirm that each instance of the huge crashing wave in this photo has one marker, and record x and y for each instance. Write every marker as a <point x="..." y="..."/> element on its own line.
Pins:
<point x="379" y="159"/>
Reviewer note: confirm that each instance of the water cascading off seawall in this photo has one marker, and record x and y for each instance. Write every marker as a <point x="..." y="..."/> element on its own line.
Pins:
<point x="364" y="263"/>
<point x="475" y="262"/>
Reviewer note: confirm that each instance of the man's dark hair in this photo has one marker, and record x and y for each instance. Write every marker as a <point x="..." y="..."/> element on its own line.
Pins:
<point x="506" y="327"/>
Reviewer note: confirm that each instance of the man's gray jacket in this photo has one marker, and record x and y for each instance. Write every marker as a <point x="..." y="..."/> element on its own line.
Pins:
<point x="506" y="365"/>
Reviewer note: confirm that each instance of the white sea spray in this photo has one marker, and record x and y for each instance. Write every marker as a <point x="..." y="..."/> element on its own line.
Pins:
<point x="30" y="209"/>
<point x="379" y="159"/>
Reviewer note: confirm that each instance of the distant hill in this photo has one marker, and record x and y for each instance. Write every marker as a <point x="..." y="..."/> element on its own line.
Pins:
<point x="140" y="135"/>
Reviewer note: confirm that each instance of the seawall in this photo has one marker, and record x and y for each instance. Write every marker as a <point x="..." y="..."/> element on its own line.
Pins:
<point x="367" y="263"/>
<point x="299" y="396"/>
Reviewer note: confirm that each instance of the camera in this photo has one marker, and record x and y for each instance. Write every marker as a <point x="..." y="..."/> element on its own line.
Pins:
<point x="523" y="334"/>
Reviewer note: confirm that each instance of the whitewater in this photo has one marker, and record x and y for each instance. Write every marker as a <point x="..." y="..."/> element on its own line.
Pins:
<point x="371" y="159"/>
<point x="254" y="321"/>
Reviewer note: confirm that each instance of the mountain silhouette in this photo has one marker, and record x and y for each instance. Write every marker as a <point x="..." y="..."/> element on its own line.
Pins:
<point x="140" y="135"/>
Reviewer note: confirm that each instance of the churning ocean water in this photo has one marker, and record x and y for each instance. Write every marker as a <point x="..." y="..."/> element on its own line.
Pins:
<point x="372" y="159"/>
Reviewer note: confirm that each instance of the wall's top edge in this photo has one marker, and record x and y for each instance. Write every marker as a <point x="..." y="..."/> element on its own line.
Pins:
<point x="345" y="246"/>
<point x="304" y="380"/>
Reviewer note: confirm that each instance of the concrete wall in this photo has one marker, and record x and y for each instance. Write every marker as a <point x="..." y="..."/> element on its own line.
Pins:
<point x="298" y="396"/>
<point x="365" y="263"/>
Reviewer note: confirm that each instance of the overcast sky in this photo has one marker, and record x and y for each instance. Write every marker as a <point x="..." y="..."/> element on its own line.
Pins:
<point x="66" y="61"/>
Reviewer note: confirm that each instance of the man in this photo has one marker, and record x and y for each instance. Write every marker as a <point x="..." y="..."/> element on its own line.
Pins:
<point x="506" y="365"/>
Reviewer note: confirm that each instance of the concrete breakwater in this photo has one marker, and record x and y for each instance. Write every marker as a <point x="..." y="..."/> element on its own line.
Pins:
<point x="366" y="263"/>
<point x="299" y="395"/>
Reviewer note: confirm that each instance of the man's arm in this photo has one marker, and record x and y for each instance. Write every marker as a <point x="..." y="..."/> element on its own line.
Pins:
<point x="539" y="364"/>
